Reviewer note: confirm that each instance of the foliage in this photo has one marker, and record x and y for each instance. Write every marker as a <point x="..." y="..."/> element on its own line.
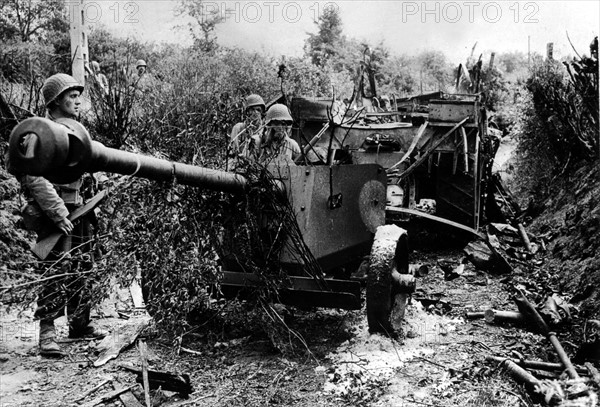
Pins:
<point x="323" y="45"/>
<point x="304" y="78"/>
<point x="32" y="20"/>
<point x="557" y="127"/>
<point x="205" y="20"/>
<point x="118" y="54"/>
<point x="110" y="118"/>
<point x="494" y="89"/>
<point x="513" y="65"/>
<point x="184" y="113"/>
<point x="176" y="255"/>
<point x="397" y="76"/>
<point x="435" y="69"/>
<point x="29" y="62"/>
<point x="571" y="131"/>
<point x="200" y="233"/>
<point x="534" y="151"/>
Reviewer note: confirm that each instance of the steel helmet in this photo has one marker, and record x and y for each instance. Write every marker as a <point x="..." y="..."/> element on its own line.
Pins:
<point x="57" y="84"/>
<point x="254" y="100"/>
<point x="140" y="62"/>
<point x="278" y="112"/>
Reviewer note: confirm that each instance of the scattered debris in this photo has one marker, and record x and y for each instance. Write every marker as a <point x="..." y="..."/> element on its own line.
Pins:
<point x="111" y="346"/>
<point x="108" y="396"/>
<point x="525" y="238"/>
<point x="98" y="387"/>
<point x="534" y="364"/>
<point x="555" y="310"/>
<point x="127" y="398"/>
<point x="538" y="322"/>
<point x="485" y="257"/>
<point x="542" y="389"/>
<point x="179" y="383"/>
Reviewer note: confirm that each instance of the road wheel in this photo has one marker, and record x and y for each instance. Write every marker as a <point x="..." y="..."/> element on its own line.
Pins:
<point x="389" y="253"/>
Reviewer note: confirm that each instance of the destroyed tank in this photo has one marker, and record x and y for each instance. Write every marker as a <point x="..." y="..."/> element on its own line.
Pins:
<point x="340" y="211"/>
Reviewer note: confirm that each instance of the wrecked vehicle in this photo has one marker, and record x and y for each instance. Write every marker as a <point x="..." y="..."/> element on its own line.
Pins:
<point x="436" y="149"/>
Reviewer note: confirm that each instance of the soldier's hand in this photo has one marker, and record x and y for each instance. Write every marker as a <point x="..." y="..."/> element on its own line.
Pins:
<point x="65" y="226"/>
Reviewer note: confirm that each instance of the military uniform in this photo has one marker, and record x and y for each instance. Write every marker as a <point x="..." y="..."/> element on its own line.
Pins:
<point x="48" y="207"/>
<point x="245" y="136"/>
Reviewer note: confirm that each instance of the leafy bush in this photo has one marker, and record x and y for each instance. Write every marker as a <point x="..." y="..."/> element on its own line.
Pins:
<point x="560" y="108"/>
<point x="557" y="126"/>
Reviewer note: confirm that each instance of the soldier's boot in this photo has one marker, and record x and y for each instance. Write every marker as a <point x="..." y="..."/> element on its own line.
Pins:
<point x="79" y="327"/>
<point x="48" y="345"/>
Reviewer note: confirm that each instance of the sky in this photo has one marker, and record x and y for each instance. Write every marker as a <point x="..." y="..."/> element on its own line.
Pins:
<point x="405" y="27"/>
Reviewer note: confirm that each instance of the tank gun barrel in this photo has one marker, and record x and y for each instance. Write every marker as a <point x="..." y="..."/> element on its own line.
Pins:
<point x="62" y="154"/>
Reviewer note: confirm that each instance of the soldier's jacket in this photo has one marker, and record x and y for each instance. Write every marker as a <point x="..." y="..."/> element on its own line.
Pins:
<point x="283" y="152"/>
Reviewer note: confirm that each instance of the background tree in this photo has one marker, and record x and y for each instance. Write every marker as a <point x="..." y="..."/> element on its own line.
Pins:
<point x="435" y="69"/>
<point x="397" y="76"/>
<point x="29" y="20"/>
<point x="205" y="21"/>
<point x="322" y="46"/>
<point x="513" y="64"/>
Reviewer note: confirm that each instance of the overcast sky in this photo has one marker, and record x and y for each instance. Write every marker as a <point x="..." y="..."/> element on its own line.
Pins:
<point x="405" y="27"/>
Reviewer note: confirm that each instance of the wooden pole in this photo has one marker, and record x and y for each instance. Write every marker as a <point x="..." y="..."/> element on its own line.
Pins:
<point x="144" y="358"/>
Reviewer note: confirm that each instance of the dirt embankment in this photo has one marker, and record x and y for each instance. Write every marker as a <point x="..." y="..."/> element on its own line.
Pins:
<point x="570" y="223"/>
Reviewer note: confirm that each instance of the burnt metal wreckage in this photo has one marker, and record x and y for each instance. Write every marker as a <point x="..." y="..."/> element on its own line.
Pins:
<point x="371" y="168"/>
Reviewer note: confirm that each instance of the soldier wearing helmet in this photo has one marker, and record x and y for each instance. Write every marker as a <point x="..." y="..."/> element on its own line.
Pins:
<point x="141" y="67"/>
<point x="47" y="210"/>
<point x="245" y="136"/>
<point x="99" y="79"/>
<point x="141" y="79"/>
<point x="276" y="145"/>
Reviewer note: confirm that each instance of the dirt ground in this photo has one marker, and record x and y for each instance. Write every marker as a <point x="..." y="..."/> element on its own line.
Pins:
<point x="439" y="361"/>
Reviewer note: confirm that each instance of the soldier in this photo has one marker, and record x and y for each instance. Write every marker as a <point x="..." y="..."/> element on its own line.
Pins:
<point x="276" y="145"/>
<point x="47" y="211"/>
<point x="141" y="67"/>
<point x="141" y="79"/>
<point x="245" y="136"/>
<point x="99" y="78"/>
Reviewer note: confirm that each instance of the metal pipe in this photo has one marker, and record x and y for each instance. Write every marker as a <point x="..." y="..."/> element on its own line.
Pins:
<point x="534" y="364"/>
